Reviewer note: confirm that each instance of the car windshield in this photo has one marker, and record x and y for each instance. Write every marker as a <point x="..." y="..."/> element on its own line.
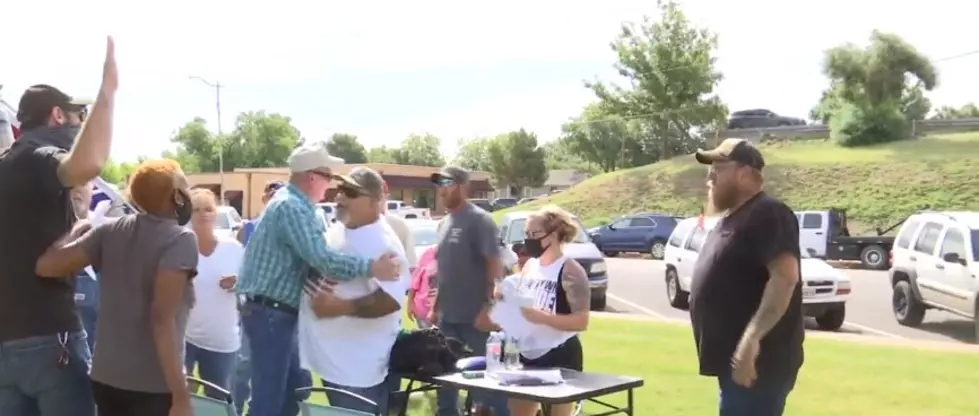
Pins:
<point x="516" y="232"/>
<point x="424" y="235"/>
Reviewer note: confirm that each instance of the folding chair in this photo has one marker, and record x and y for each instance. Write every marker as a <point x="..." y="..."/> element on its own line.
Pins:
<point x="312" y="409"/>
<point x="206" y="406"/>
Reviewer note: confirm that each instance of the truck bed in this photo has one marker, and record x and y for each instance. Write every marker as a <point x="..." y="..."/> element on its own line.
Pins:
<point x="883" y="240"/>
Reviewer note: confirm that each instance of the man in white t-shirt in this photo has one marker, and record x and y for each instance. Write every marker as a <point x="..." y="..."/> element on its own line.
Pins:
<point x="347" y="329"/>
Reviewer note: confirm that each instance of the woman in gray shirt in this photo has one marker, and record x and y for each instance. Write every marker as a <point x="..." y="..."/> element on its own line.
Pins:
<point x="146" y="262"/>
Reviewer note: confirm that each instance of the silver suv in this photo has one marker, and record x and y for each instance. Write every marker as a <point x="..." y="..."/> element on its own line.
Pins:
<point x="934" y="265"/>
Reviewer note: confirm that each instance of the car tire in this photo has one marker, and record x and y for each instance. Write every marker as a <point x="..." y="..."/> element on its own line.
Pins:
<point x="598" y="304"/>
<point x="610" y="253"/>
<point x="657" y="249"/>
<point x="832" y="320"/>
<point x="874" y="257"/>
<point x="678" y="298"/>
<point x="908" y="310"/>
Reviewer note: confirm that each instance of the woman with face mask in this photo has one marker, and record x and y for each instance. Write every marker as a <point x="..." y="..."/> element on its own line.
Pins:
<point x="146" y="262"/>
<point x="561" y="296"/>
<point x="213" y="335"/>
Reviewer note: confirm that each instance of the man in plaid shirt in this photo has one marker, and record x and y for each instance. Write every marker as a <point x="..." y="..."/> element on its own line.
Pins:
<point x="286" y="248"/>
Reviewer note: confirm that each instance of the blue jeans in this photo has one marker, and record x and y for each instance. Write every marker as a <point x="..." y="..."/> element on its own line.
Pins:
<point x="32" y="383"/>
<point x="272" y="336"/>
<point x="378" y="394"/>
<point x="243" y="375"/>
<point x="448" y="397"/>
<point x="213" y="367"/>
<point x="762" y="400"/>
<point x="87" y="300"/>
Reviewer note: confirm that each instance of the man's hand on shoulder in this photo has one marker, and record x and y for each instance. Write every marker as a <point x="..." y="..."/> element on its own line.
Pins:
<point x="386" y="267"/>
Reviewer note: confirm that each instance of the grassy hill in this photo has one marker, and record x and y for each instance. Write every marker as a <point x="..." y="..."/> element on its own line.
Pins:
<point x="877" y="185"/>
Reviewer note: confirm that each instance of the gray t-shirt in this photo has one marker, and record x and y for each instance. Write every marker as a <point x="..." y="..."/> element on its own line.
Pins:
<point x="466" y="240"/>
<point x="128" y="252"/>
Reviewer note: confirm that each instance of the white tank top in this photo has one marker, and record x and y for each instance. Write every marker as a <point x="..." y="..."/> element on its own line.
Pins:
<point x="540" y="283"/>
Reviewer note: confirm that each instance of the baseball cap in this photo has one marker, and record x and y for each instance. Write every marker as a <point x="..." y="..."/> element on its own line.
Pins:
<point x="733" y="150"/>
<point x="38" y="100"/>
<point x="313" y="157"/>
<point x="454" y="173"/>
<point x="365" y="180"/>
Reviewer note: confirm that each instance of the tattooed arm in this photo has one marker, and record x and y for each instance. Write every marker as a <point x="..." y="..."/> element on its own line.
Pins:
<point x="375" y="305"/>
<point x="778" y="249"/>
<point x="574" y="280"/>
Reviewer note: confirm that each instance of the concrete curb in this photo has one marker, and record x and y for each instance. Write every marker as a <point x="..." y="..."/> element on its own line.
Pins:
<point x="863" y="339"/>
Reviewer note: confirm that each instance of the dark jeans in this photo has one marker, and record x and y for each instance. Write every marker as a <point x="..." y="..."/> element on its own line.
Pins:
<point x="448" y="398"/>
<point x="243" y="375"/>
<point x="272" y="336"/>
<point x="33" y="383"/>
<point x="213" y="367"/>
<point x="759" y="400"/>
<point x="119" y="402"/>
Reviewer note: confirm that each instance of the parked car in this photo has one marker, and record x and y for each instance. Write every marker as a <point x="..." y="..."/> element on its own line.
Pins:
<point x="426" y="234"/>
<point x="935" y="261"/>
<point x="503" y="203"/>
<point x="827" y="233"/>
<point x="406" y="211"/>
<point x="527" y="200"/>
<point x="825" y="290"/>
<point x="227" y="222"/>
<point x="637" y="233"/>
<point x="512" y="228"/>
<point x="760" y="118"/>
<point x="482" y="203"/>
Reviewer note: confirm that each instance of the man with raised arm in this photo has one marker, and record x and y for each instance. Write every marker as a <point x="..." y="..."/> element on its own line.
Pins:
<point x="286" y="248"/>
<point x="62" y="146"/>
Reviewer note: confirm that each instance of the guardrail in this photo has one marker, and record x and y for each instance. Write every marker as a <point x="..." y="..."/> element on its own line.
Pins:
<point x="820" y="131"/>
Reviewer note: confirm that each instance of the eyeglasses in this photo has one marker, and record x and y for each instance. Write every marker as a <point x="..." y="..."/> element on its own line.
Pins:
<point x="349" y="192"/>
<point x="537" y="233"/>
<point x="443" y="182"/>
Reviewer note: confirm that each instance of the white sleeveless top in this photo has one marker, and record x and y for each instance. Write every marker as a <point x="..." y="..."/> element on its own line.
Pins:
<point x="540" y="283"/>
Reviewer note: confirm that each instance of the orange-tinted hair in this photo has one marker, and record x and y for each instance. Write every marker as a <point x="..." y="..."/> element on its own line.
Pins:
<point x="151" y="185"/>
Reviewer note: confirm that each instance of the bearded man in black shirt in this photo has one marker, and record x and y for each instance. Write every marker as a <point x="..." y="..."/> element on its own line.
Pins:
<point x="746" y="297"/>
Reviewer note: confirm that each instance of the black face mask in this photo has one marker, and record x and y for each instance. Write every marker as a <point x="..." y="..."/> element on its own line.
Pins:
<point x="183" y="209"/>
<point x="535" y="246"/>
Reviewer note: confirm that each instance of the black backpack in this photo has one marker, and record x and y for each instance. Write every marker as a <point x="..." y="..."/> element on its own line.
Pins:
<point x="426" y="353"/>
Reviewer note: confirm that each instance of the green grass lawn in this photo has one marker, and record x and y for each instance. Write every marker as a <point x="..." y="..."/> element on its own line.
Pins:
<point x="839" y="378"/>
<point x="878" y="185"/>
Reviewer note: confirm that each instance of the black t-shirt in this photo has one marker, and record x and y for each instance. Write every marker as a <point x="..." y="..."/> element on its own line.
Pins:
<point x="728" y="281"/>
<point x="35" y="211"/>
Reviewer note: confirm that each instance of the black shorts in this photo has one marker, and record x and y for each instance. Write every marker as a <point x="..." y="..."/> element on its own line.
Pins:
<point x="112" y="401"/>
<point x="567" y="355"/>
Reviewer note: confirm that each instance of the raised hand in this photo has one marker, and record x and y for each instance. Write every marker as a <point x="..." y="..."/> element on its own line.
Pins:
<point x="110" y="71"/>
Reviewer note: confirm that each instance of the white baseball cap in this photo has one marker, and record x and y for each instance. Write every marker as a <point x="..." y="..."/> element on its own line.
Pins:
<point x="313" y="156"/>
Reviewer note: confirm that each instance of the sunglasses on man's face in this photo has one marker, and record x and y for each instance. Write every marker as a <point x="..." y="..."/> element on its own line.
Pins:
<point x="444" y="182"/>
<point x="349" y="191"/>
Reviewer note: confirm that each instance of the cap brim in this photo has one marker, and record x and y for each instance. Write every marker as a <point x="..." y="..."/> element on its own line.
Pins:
<point x="347" y="180"/>
<point x="82" y="101"/>
<point x="436" y="177"/>
<point x="708" y="157"/>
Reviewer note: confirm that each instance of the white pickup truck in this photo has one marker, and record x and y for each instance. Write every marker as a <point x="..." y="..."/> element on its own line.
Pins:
<point x="408" y="212"/>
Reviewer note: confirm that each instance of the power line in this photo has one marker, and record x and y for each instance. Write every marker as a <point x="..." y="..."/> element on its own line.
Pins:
<point x="700" y="107"/>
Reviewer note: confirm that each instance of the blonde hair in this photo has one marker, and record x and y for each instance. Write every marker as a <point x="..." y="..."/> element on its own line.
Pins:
<point x="558" y="221"/>
<point x="203" y="197"/>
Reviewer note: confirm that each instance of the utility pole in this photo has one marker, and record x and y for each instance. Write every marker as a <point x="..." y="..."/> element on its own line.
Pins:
<point x="217" y="103"/>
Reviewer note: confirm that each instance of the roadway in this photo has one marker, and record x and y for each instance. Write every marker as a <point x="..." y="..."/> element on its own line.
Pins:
<point x="638" y="286"/>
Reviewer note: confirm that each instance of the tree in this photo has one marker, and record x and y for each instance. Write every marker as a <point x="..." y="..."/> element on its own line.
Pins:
<point x="420" y="150"/>
<point x="559" y="155"/>
<point x="116" y="173"/>
<point x="950" y="113"/>
<point x="473" y="154"/>
<point x="670" y="66"/>
<point x="259" y="140"/>
<point x="602" y="138"/>
<point x="914" y="105"/>
<point x="347" y="146"/>
<point x="382" y="154"/>
<point x="875" y="87"/>
<point x="517" y="161"/>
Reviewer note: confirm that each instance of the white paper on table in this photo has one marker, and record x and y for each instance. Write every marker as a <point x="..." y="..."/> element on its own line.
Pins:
<point x="551" y="376"/>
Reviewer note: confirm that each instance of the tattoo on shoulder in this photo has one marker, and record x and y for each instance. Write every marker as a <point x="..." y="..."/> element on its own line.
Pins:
<point x="576" y="286"/>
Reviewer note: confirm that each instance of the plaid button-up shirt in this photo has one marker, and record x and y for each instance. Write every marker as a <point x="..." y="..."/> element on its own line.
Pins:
<point x="286" y="246"/>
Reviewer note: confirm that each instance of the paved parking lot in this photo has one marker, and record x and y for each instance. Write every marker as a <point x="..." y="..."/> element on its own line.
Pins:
<point x="638" y="286"/>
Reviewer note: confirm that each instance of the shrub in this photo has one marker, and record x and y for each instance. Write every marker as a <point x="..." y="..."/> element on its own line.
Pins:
<point x="855" y="125"/>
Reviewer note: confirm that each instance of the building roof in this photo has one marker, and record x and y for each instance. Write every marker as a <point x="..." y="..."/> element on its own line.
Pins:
<point x="382" y="168"/>
<point x="564" y="177"/>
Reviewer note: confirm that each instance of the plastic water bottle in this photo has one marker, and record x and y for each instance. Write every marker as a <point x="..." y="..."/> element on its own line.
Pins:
<point x="511" y="354"/>
<point x="494" y="352"/>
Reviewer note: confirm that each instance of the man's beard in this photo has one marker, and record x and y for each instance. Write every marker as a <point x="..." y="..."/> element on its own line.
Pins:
<point x="717" y="202"/>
